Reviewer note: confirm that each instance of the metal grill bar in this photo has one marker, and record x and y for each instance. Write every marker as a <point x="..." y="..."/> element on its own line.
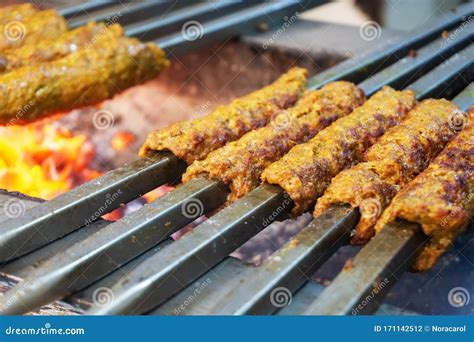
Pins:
<point x="291" y="266"/>
<point x="153" y="29"/>
<point x="375" y="269"/>
<point x="171" y="269"/>
<point x="243" y="21"/>
<point x="356" y="69"/>
<point x="89" y="6"/>
<point x="99" y="254"/>
<point x="408" y="69"/>
<point x="129" y="12"/>
<point x="85" y="203"/>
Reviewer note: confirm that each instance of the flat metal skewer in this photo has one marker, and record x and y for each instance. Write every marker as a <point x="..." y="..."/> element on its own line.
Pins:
<point x="89" y="6"/>
<point x="245" y="21"/>
<point x="154" y="28"/>
<point x="124" y="13"/>
<point x="408" y="69"/>
<point x="356" y="69"/>
<point x="175" y="266"/>
<point x="360" y="288"/>
<point x="85" y="203"/>
<point x="290" y="267"/>
<point x="99" y="254"/>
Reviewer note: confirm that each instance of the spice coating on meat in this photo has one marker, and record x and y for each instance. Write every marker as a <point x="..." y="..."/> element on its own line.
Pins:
<point x="83" y="78"/>
<point x="16" y="12"/>
<point x="31" y="29"/>
<point x="67" y="43"/>
<point x="440" y="199"/>
<point x="193" y="139"/>
<point x="305" y="172"/>
<point x="394" y="160"/>
<point x="240" y="163"/>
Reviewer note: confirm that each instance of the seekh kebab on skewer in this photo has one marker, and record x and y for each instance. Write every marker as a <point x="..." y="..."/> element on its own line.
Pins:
<point x="83" y="78"/>
<point x="440" y="199"/>
<point x="195" y="139"/>
<point x="305" y="172"/>
<point x="240" y="163"/>
<point x="394" y="160"/>
<point x="49" y="50"/>
<point x="31" y="29"/>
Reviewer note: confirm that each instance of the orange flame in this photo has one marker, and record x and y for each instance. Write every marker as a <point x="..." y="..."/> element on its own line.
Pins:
<point x="43" y="159"/>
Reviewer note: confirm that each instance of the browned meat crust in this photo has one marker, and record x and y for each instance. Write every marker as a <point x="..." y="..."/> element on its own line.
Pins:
<point x="47" y="50"/>
<point x="16" y="12"/>
<point x="194" y="139"/>
<point x="83" y="78"/>
<point x="305" y="172"/>
<point x="394" y="160"/>
<point x="440" y="199"/>
<point x="240" y="163"/>
<point x="30" y="29"/>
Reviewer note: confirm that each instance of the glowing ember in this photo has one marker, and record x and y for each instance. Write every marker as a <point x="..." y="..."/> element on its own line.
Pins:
<point x="43" y="159"/>
<point x="122" y="140"/>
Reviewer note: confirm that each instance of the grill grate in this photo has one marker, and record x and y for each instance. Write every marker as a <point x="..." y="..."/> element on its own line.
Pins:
<point x="165" y="270"/>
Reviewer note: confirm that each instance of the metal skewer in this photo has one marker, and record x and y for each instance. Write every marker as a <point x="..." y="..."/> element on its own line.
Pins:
<point x="85" y="203"/>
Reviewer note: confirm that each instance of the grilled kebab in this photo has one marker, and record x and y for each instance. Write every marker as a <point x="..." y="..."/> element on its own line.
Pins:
<point x="82" y="78"/>
<point x="240" y="163"/>
<point x="440" y="199"/>
<point x="305" y="172"/>
<point x="394" y="160"/>
<point x="30" y="29"/>
<point x="194" y="139"/>
<point x="68" y="42"/>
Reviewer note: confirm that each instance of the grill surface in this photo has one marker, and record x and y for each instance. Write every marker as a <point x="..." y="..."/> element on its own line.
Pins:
<point x="158" y="273"/>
